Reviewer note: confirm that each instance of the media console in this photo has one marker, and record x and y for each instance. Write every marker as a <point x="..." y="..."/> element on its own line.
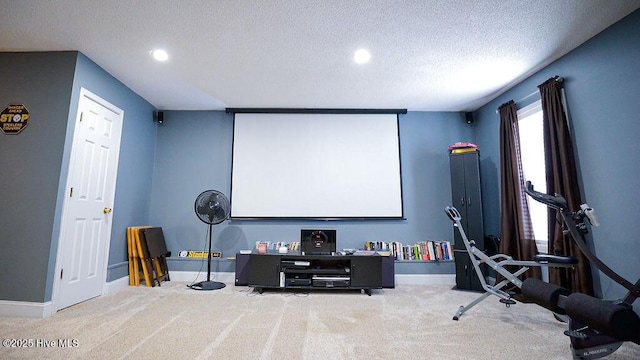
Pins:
<point x="364" y="272"/>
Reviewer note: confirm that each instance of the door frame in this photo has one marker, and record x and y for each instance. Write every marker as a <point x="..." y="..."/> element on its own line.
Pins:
<point x="65" y="203"/>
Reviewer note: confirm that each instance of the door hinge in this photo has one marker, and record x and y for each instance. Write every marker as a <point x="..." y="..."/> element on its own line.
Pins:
<point x="61" y="272"/>
<point x="71" y="192"/>
<point x="81" y="116"/>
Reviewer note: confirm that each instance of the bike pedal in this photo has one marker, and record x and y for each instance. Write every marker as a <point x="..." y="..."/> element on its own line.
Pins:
<point x="508" y="302"/>
<point x="575" y="334"/>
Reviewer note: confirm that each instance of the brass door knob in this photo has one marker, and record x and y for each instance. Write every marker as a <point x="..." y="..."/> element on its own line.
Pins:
<point x="106" y="210"/>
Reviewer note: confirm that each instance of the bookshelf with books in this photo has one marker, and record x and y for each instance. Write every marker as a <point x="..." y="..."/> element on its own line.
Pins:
<point x="263" y="247"/>
<point x="429" y="250"/>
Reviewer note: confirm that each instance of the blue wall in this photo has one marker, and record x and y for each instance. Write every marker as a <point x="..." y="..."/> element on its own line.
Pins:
<point x="162" y="169"/>
<point x="135" y="166"/>
<point x="35" y="173"/>
<point x="194" y="154"/>
<point x="602" y="83"/>
<point x="30" y="169"/>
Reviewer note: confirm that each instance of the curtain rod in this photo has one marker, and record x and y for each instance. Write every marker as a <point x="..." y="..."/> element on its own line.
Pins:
<point x="557" y="78"/>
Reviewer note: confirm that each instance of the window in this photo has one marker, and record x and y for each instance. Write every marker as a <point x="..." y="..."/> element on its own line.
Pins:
<point x="533" y="167"/>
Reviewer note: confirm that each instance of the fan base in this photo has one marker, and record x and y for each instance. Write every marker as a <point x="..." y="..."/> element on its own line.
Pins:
<point x="208" y="285"/>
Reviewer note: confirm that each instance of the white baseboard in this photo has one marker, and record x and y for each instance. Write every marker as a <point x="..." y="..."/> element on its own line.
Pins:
<point x="426" y="279"/>
<point x="229" y="278"/>
<point x="115" y="285"/>
<point x="25" y="309"/>
<point x="28" y="309"/>
<point x="188" y="276"/>
<point x="194" y="276"/>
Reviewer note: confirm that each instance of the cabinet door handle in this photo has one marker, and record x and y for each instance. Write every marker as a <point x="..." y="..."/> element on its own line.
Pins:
<point x="469" y="202"/>
<point x="462" y="201"/>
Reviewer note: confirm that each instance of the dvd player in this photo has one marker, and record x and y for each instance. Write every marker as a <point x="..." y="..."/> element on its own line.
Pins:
<point x="331" y="281"/>
<point x="298" y="282"/>
<point x="295" y="264"/>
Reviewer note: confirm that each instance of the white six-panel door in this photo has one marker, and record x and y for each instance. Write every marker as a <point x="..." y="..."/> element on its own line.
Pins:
<point x="88" y="207"/>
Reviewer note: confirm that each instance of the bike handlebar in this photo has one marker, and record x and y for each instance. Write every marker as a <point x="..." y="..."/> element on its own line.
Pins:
<point x="557" y="201"/>
<point x="590" y="214"/>
<point x="560" y="203"/>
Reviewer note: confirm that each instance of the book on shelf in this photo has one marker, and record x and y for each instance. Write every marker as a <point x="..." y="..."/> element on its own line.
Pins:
<point x="264" y="247"/>
<point x="462" y="150"/>
<point x="364" y="252"/>
<point x="429" y="250"/>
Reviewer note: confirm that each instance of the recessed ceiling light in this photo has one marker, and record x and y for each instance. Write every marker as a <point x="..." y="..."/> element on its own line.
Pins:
<point x="362" y="56"/>
<point x="160" y="55"/>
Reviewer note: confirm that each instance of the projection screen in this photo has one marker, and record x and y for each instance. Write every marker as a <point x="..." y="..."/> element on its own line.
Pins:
<point x="316" y="166"/>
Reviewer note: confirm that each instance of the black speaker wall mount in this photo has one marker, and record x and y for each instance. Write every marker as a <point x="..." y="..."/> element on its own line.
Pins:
<point x="468" y="117"/>
<point x="158" y="116"/>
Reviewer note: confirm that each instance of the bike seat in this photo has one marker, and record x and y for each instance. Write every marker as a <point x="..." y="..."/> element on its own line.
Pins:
<point x="555" y="259"/>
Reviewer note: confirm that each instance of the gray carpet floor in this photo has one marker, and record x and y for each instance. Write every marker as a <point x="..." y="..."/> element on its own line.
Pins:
<point x="408" y="322"/>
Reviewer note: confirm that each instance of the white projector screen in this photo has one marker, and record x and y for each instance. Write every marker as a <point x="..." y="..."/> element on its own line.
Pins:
<point x="316" y="166"/>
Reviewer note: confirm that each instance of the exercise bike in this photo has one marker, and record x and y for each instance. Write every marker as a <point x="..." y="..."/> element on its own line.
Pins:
<point x="499" y="263"/>
<point x="597" y="327"/>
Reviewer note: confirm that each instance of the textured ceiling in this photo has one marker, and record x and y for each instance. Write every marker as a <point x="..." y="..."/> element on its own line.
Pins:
<point x="449" y="55"/>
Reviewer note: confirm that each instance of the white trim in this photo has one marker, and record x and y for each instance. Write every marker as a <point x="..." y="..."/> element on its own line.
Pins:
<point x="194" y="276"/>
<point x="115" y="285"/>
<point x="532" y="108"/>
<point x="229" y="278"/>
<point x="26" y="309"/>
<point x="426" y="279"/>
<point x="400" y="279"/>
<point x="187" y="276"/>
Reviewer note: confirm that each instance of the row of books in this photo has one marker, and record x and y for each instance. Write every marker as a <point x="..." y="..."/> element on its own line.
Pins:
<point x="432" y="250"/>
<point x="268" y="246"/>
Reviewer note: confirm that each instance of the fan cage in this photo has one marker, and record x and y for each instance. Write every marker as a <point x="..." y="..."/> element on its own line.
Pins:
<point x="212" y="207"/>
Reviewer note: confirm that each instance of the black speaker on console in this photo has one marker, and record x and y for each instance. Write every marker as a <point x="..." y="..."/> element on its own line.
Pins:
<point x="160" y="117"/>
<point x="468" y="116"/>
<point x="388" y="272"/>
<point x="242" y="270"/>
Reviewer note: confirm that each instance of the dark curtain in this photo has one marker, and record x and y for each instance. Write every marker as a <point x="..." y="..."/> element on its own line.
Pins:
<point x="562" y="179"/>
<point x="516" y="231"/>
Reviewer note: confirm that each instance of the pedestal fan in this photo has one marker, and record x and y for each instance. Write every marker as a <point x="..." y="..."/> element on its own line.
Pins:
<point x="212" y="207"/>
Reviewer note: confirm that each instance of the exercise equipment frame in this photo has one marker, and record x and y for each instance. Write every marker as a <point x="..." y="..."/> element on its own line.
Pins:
<point x="597" y="327"/>
<point x="498" y="262"/>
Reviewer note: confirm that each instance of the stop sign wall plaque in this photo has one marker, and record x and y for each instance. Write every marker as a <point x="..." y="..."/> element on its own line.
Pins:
<point x="13" y="119"/>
